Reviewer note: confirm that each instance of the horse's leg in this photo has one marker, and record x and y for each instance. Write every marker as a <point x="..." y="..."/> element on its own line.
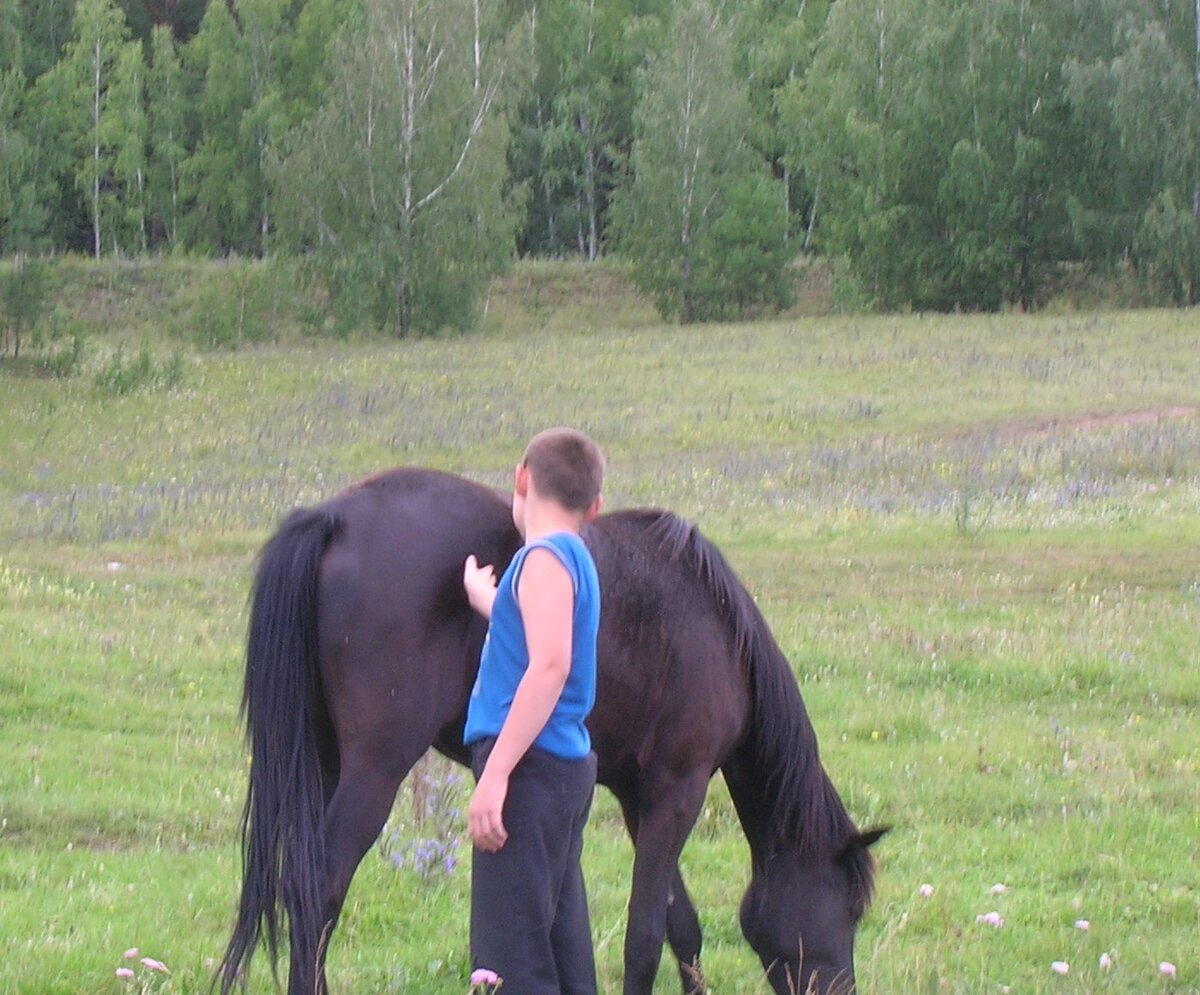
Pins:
<point x="663" y="824"/>
<point x="355" y="816"/>
<point x="683" y="933"/>
<point x="683" y="923"/>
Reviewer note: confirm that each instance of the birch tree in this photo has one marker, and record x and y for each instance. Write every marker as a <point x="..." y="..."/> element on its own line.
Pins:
<point x="777" y="41"/>
<point x="85" y="74"/>
<point x="943" y="147"/>
<point x="689" y="148"/>
<point x="395" y="185"/>
<point x="19" y="211"/>
<point x="1155" y="70"/>
<point x="222" y="181"/>
<point x="166" y="109"/>
<point x="579" y="116"/>
<point x="262" y="24"/>
<point x="125" y="130"/>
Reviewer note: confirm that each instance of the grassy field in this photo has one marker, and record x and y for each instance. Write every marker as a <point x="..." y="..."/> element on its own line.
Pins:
<point x="975" y="537"/>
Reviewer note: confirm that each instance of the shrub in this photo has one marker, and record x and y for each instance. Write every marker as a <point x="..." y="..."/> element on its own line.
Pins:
<point x="142" y="372"/>
<point x="23" y="296"/>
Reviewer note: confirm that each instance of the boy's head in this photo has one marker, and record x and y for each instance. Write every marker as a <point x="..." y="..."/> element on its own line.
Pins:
<point x="567" y="467"/>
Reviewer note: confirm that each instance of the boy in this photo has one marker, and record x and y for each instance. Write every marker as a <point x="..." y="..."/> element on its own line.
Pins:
<point x="530" y="750"/>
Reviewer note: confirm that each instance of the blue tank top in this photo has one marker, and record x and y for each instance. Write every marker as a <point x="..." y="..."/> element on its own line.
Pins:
<point x="505" y="656"/>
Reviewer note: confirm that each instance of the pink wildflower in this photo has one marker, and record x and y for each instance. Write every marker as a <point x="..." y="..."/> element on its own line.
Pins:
<point x="482" y="976"/>
<point x="993" y="919"/>
<point x="1083" y="925"/>
<point x="1167" y="969"/>
<point x="926" y="890"/>
<point x="154" y="965"/>
<point x="131" y="953"/>
<point x="1060" y="967"/>
<point x="1106" y="961"/>
<point x="999" y="889"/>
<point x="123" y="972"/>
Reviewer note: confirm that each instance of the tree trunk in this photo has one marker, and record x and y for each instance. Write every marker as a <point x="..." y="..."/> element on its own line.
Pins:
<point x="96" y="151"/>
<point x="589" y="195"/>
<point x="812" y="219"/>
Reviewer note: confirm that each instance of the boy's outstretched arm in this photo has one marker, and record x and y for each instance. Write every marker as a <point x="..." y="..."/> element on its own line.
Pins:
<point x="546" y="597"/>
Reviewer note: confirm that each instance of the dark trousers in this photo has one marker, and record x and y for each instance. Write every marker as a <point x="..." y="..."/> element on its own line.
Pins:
<point x="529" y="915"/>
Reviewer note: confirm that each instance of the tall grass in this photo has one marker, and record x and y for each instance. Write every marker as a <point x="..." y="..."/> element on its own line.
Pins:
<point x="991" y="603"/>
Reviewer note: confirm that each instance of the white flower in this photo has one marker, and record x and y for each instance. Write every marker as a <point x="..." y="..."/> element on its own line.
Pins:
<point x="926" y="890"/>
<point x="1106" y="961"/>
<point x="1082" y="924"/>
<point x="999" y="889"/>
<point x="993" y="919"/>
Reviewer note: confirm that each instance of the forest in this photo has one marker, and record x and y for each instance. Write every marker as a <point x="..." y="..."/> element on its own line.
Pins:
<point x="938" y="154"/>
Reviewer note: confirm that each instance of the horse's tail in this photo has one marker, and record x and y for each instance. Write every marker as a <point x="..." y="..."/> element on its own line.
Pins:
<point x="283" y="849"/>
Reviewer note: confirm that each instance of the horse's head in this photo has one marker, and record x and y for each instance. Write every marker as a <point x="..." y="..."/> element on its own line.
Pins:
<point x="800" y="914"/>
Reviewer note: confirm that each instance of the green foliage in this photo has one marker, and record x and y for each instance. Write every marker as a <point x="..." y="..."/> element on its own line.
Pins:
<point x="776" y="42"/>
<point x="20" y="213"/>
<point x="956" y="155"/>
<point x="395" y="187"/>
<point x="126" y="130"/>
<point x="88" y="84"/>
<point x="23" y="287"/>
<point x="309" y="71"/>
<point x="694" y="216"/>
<point x="575" y="127"/>
<point x="44" y="31"/>
<point x="166" y="109"/>
<point x="1140" y="94"/>
<point x="935" y="134"/>
<point x="239" y="304"/>
<point x="746" y="253"/>
<point x="12" y="42"/>
<point x="1168" y="244"/>
<point x="143" y="371"/>
<point x="222" y="179"/>
<point x="62" y="351"/>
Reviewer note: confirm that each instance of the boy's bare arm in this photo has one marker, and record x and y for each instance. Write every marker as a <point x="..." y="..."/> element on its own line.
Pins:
<point x="546" y="598"/>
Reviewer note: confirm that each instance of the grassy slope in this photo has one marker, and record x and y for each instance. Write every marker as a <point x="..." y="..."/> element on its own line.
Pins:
<point x="993" y="614"/>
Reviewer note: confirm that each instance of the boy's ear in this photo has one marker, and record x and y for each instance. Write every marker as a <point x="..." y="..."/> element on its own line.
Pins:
<point x="594" y="509"/>
<point x="521" y="480"/>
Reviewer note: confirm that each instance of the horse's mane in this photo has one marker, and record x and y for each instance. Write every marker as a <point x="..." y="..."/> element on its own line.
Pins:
<point x="799" y="800"/>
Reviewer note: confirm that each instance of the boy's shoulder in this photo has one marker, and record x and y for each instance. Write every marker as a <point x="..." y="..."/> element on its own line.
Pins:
<point x="567" y="548"/>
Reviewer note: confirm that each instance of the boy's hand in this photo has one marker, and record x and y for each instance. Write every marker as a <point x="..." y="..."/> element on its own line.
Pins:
<point x="485" y="815"/>
<point x="480" y="584"/>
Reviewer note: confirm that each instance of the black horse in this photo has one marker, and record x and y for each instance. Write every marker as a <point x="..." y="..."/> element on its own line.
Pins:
<point x="362" y="651"/>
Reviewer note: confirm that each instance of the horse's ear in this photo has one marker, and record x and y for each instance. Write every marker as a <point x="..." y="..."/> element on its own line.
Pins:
<point x="863" y="840"/>
<point x="873" y="836"/>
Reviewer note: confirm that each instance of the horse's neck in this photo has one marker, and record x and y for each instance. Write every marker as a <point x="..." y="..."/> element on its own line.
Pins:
<point x="815" y="820"/>
<point x="754" y="808"/>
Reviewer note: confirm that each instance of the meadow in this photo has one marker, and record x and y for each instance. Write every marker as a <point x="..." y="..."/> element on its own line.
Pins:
<point x="975" y="537"/>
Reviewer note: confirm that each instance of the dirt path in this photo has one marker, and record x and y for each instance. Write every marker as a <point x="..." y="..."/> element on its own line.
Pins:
<point x="1087" y="423"/>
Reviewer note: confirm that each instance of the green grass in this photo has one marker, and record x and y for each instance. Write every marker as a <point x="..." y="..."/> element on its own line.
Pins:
<point x="992" y="610"/>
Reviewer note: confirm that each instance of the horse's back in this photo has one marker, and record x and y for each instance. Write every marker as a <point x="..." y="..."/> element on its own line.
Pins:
<point x="399" y="642"/>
